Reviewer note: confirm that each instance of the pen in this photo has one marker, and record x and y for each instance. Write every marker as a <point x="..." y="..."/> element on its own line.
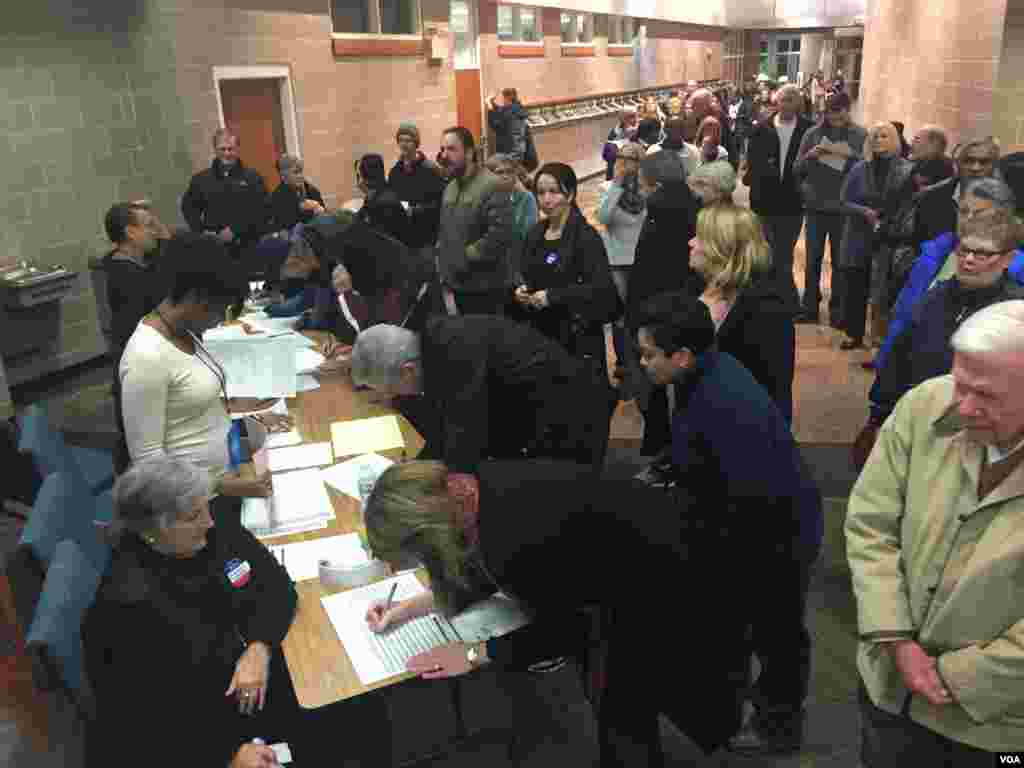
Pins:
<point x="441" y="629"/>
<point x="391" y="596"/>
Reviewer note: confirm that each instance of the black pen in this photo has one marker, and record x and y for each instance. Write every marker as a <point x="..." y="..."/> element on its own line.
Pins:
<point x="391" y="596"/>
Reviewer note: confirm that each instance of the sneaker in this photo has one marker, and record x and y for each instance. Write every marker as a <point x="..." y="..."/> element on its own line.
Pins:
<point x="770" y="733"/>
<point x="548" y="665"/>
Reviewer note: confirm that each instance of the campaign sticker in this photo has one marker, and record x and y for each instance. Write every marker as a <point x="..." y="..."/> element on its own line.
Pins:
<point x="238" y="572"/>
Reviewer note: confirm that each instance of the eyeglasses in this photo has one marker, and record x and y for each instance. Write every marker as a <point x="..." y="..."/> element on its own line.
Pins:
<point x="982" y="254"/>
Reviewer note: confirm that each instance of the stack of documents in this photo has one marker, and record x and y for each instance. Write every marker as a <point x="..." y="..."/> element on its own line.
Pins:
<point x="377" y="657"/>
<point x="300" y="503"/>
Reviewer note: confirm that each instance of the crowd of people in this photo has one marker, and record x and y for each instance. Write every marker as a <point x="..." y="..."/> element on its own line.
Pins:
<point x="477" y="297"/>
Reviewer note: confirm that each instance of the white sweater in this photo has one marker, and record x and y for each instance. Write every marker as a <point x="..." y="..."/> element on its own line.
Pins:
<point x="172" y="404"/>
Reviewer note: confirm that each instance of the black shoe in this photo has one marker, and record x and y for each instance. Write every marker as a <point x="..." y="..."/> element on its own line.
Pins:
<point x="770" y="733"/>
<point x="806" y="318"/>
<point x="849" y="344"/>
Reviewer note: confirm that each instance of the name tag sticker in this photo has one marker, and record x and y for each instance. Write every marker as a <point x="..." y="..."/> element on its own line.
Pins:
<point x="238" y="572"/>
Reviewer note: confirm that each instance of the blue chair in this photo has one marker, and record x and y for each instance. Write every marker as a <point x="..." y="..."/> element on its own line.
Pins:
<point x="64" y="509"/>
<point x="54" y="641"/>
<point x="51" y="454"/>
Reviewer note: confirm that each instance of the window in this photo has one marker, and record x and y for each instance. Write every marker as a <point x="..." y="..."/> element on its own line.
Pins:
<point x="620" y="30"/>
<point x="732" y="56"/>
<point x="373" y="17"/>
<point x="577" y="28"/>
<point x="518" y="24"/>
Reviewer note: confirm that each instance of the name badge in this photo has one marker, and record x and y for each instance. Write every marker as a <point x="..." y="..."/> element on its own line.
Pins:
<point x="238" y="572"/>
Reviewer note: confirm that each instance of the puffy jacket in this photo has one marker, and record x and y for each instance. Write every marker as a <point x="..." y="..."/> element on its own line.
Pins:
<point x="475" y="234"/>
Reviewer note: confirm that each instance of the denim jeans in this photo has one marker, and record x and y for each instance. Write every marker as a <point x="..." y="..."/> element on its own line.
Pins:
<point x="820" y="226"/>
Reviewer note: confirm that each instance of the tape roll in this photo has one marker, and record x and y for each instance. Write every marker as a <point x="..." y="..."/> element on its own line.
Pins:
<point x="335" y="575"/>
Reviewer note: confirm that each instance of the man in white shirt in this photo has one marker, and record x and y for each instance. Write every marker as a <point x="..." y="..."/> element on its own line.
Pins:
<point x="774" y="184"/>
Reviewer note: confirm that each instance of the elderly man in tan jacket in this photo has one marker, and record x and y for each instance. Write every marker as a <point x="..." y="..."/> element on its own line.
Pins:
<point x="935" y="539"/>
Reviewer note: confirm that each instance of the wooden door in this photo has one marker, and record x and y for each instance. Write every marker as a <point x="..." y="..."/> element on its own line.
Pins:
<point x="252" y="110"/>
<point x="468" y="103"/>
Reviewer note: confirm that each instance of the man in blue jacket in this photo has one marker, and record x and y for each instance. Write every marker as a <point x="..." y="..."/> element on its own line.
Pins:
<point x="756" y="503"/>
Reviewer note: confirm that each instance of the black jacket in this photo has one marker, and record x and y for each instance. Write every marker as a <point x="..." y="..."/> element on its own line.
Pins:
<point x="285" y="206"/>
<point x="544" y="526"/>
<point x="581" y="294"/>
<point x="923" y="350"/>
<point x="937" y="212"/>
<point x="770" y="194"/>
<point x="759" y="333"/>
<point x="133" y="291"/>
<point x="237" y="199"/>
<point x="497" y="386"/>
<point x="163" y="638"/>
<point x="662" y="263"/>
<point x="384" y="212"/>
<point x="509" y="126"/>
<point x="421" y="186"/>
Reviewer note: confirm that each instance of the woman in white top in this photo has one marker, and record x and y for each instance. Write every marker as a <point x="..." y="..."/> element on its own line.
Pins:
<point x="173" y="392"/>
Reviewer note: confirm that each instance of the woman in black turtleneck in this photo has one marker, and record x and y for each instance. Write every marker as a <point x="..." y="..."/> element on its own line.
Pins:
<point x="872" y="192"/>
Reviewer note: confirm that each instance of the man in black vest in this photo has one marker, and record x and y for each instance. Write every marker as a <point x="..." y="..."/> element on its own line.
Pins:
<point x="774" y="186"/>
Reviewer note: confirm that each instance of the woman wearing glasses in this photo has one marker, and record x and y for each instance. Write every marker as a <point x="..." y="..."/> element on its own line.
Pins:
<point x="173" y="392"/>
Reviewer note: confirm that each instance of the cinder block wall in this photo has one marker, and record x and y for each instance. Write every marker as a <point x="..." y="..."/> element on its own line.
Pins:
<point x="1008" y="117"/>
<point x="89" y="114"/>
<point x="933" y="62"/>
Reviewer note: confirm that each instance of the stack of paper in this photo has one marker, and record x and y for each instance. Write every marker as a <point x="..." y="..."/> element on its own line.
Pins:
<point x="380" y="433"/>
<point x="307" y="360"/>
<point x="256" y="366"/>
<point x="300" y="457"/>
<point x="300" y="503"/>
<point x="302" y="559"/>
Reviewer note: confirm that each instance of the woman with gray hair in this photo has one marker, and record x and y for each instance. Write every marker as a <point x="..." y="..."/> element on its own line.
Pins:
<point x="189" y="619"/>
<point x="295" y="200"/>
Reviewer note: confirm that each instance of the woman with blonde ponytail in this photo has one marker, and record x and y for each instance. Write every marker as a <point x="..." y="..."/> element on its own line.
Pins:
<point x="753" y="310"/>
<point x="556" y="539"/>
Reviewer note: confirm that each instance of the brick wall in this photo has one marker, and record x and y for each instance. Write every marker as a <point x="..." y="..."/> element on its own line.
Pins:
<point x="88" y="115"/>
<point x="932" y="62"/>
<point x="345" y="106"/>
<point x="1008" y="117"/>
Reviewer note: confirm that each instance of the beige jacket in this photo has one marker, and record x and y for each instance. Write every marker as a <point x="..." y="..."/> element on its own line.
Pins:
<point x="931" y="562"/>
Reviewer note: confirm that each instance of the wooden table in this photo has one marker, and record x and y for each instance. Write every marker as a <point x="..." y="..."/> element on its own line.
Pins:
<point x="319" y="665"/>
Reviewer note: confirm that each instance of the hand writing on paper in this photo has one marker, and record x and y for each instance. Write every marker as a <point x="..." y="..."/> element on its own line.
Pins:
<point x="444" y="661"/>
<point x="249" y="683"/>
<point x="275" y="422"/>
<point x="380" y="620"/>
<point x="260" y="487"/>
<point x="919" y="672"/>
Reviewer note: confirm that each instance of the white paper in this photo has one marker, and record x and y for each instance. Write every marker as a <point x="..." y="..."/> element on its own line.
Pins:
<point x="300" y="457"/>
<point x="302" y="559"/>
<point x="378" y="657"/>
<point x="282" y="752"/>
<point x="345" y="476"/>
<point x="256" y="366"/>
<point x="833" y="161"/>
<point x="306" y="382"/>
<point x="263" y="322"/>
<point x="307" y="360"/>
<point x="300" y="503"/>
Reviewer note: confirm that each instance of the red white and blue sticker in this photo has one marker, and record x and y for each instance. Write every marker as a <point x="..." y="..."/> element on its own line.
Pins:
<point x="238" y="572"/>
